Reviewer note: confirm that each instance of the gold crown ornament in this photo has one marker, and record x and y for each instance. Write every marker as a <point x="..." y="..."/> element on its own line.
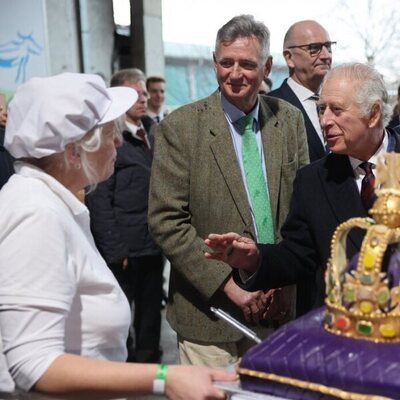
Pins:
<point x="363" y="295"/>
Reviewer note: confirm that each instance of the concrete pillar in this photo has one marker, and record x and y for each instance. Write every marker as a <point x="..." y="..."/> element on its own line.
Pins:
<point x="147" y="50"/>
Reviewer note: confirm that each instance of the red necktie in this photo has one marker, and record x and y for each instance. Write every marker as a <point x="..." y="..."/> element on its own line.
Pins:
<point x="143" y="136"/>
<point x="367" y="186"/>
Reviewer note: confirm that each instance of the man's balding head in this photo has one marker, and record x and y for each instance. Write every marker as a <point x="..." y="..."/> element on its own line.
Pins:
<point x="306" y="68"/>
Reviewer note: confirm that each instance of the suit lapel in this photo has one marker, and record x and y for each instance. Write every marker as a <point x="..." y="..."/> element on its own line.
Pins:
<point x="224" y="153"/>
<point x="342" y="194"/>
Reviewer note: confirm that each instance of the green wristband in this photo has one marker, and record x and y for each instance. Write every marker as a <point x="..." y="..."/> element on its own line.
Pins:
<point x="160" y="378"/>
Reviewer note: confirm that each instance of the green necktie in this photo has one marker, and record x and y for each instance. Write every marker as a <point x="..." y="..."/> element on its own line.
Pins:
<point x="256" y="186"/>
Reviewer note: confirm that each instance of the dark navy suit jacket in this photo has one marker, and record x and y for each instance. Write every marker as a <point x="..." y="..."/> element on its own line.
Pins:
<point x="325" y="194"/>
<point x="316" y="149"/>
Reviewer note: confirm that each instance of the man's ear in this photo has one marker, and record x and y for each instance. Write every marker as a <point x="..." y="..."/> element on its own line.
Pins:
<point x="375" y="115"/>
<point x="268" y="66"/>
<point x="215" y="61"/>
<point x="287" y="54"/>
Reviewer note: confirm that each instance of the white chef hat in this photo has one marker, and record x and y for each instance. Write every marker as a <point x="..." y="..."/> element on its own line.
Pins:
<point x="46" y="114"/>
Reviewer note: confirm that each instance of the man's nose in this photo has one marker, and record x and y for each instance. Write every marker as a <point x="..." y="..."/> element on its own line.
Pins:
<point x="324" y="117"/>
<point x="325" y="53"/>
<point x="236" y="71"/>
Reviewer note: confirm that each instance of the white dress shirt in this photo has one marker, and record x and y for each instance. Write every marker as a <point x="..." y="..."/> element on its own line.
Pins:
<point x="310" y="106"/>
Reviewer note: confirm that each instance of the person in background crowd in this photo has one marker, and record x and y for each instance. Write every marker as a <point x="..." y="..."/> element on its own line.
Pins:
<point x="6" y="161"/>
<point x="118" y="209"/>
<point x="3" y="111"/>
<point x="395" y="119"/>
<point x="354" y="112"/>
<point x="63" y="317"/>
<point x="307" y="49"/>
<point x="155" y="107"/>
<point x="225" y="162"/>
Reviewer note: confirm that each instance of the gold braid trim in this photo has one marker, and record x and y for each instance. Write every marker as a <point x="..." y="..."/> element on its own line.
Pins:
<point x="315" y="387"/>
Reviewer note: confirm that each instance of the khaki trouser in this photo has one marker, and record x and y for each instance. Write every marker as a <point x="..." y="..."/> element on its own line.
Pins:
<point x="217" y="355"/>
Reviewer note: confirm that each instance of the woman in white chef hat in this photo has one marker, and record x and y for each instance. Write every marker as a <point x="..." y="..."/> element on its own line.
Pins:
<point x="63" y="317"/>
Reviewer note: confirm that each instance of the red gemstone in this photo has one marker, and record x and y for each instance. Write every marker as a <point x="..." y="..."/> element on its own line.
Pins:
<point x="342" y="323"/>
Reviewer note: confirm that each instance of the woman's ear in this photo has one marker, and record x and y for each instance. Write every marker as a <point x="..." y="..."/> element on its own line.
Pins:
<point x="73" y="156"/>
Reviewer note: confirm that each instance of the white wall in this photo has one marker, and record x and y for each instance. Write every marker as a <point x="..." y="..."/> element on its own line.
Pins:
<point x="41" y="38"/>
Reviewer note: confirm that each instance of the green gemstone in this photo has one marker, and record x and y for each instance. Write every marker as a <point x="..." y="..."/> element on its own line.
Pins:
<point x="366" y="279"/>
<point x="364" y="328"/>
<point x="383" y="296"/>
<point x="349" y="294"/>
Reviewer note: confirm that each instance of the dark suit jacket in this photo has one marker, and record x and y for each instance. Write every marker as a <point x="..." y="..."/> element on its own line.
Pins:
<point x="118" y="206"/>
<point x="325" y="194"/>
<point x="197" y="188"/>
<point x="315" y="147"/>
<point x="6" y="161"/>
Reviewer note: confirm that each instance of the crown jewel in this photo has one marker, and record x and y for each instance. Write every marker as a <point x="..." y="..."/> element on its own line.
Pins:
<point x="363" y="294"/>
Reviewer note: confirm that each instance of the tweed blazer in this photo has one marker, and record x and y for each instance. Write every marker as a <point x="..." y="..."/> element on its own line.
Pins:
<point x="196" y="188"/>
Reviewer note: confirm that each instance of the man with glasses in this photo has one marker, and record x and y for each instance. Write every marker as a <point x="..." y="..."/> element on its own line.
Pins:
<point x="308" y="53"/>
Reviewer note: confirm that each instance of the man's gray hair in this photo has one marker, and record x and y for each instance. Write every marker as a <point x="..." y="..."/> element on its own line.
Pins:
<point x="127" y="75"/>
<point x="370" y="89"/>
<point x="245" y="26"/>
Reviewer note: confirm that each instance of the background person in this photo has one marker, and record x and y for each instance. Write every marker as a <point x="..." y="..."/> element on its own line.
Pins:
<point x="395" y="119"/>
<point x="354" y="111"/>
<point x="155" y="107"/>
<point x="63" y="317"/>
<point x="200" y="184"/>
<point x="118" y="209"/>
<point x="307" y="49"/>
<point x="6" y="161"/>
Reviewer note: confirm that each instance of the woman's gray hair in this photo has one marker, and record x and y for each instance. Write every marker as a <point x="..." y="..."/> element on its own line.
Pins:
<point x="245" y="26"/>
<point x="370" y="89"/>
<point x="90" y="143"/>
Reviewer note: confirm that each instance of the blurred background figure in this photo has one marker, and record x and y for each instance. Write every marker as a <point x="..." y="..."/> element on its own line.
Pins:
<point x="6" y="161"/>
<point x="155" y="106"/>
<point x="308" y="54"/>
<point x="395" y="119"/>
<point x="118" y="209"/>
<point x="266" y="86"/>
<point x="3" y="111"/>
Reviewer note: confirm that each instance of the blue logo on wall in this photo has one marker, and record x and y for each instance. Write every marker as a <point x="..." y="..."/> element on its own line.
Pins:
<point x="16" y="54"/>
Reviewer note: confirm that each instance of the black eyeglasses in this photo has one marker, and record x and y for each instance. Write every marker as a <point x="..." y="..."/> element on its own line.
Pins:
<point x="315" y="48"/>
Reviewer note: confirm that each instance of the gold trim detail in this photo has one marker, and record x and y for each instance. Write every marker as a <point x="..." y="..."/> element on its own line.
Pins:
<point x="315" y="387"/>
<point x="361" y="303"/>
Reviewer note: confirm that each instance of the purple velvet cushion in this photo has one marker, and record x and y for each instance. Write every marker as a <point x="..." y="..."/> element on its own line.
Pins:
<point x="303" y="350"/>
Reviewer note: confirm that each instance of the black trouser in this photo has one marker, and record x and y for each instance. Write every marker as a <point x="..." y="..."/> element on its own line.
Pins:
<point x="142" y="283"/>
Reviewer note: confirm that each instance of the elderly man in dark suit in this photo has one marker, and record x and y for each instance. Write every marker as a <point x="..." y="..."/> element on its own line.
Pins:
<point x="202" y="182"/>
<point x="308" y="53"/>
<point x="354" y="112"/>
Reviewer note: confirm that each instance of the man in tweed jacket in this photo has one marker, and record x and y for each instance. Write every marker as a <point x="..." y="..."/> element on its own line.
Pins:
<point x="197" y="186"/>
